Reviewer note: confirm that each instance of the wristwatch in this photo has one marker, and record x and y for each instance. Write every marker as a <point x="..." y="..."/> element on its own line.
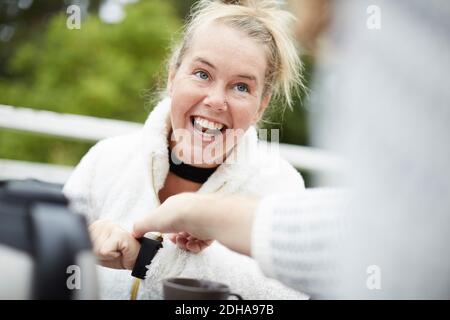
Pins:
<point x="149" y="248"/>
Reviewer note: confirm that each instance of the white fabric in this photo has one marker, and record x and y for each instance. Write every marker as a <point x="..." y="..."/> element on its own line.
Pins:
<point x="383" y="100"/>
<point x="119" y="179"/>
<point x="295" y="238"/>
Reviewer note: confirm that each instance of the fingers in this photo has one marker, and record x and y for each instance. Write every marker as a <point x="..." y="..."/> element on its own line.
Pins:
<point x="99" y="232"/>
<point x="181" y="242"/>
<point x="109" y="249"/>
<point x="151" y="222"/>
<point x="129" y="247"/>
<point x="205" y="244"/>
<point x="189" y="243"/>
<point x="172" y="237"/>
<point x="96" y="232"/>
<point x="193" y="246"/>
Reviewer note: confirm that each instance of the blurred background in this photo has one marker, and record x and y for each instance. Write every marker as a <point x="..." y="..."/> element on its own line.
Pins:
<point x="109" y="68"/>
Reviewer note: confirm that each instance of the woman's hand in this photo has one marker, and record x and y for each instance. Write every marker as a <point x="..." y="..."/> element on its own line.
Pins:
<point x="188" y="242"/>
<point x="114" y="247"/>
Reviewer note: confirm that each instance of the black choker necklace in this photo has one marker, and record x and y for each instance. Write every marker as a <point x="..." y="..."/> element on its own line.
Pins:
<point x="188" y="172"/>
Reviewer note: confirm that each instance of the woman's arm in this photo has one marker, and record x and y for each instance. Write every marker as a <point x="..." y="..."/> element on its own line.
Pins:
<point x="113" y="246"/>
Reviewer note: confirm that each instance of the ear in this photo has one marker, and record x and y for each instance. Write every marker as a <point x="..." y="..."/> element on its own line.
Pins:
<point x="172" y="73"/>
<point x="264" y="104"/>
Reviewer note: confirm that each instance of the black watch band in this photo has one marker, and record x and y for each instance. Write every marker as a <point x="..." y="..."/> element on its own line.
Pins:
<point x="149" y="248"/>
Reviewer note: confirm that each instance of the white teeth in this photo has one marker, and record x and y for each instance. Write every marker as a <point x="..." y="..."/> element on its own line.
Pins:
<point x="208" y="124"/>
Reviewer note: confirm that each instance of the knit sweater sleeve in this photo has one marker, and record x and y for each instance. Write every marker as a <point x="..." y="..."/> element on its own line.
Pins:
<point x="294" y="238"/>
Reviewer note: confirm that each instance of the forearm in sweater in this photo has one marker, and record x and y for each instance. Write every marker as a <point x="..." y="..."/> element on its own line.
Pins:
<point x="294" y="239"/>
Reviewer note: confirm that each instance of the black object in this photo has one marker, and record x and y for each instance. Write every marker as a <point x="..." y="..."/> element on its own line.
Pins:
<point x="188" y="172"/>
<point x="149" y="248"/>
<point x="35" y="218"/>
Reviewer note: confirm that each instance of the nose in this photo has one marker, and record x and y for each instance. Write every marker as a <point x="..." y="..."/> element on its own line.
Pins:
<point x="216" y="98"/>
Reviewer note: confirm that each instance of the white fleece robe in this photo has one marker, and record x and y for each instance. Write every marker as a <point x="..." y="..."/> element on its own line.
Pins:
<point x="119" y="179"/>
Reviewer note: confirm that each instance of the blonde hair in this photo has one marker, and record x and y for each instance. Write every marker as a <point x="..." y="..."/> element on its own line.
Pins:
<point x="263" y="21"/>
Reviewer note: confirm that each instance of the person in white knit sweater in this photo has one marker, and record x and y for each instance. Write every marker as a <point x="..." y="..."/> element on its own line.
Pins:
<point x="232" y="60"/>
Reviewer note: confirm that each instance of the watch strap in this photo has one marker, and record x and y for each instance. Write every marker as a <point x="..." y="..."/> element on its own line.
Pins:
<point x="149" y="248"/>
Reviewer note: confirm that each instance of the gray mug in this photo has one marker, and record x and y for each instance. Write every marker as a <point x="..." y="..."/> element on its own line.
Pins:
<point x="196" y="289"/>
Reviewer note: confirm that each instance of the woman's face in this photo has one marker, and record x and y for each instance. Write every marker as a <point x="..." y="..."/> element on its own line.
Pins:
<point x="216" y="93"/>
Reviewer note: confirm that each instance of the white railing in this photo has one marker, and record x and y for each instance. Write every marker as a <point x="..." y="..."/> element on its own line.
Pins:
<point x="94" y="129"/>
<point x="13" y="169"/>
<point x="62" y="125"/>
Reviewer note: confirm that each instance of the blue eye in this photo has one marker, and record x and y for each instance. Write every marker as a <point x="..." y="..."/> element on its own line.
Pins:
<point x="202" y="75"/>
<point x="242" y="87"/>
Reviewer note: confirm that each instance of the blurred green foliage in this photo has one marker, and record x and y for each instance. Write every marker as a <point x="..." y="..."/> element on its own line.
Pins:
<point x="103" y="70"/>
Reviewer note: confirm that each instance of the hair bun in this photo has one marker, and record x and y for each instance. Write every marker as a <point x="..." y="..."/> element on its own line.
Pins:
<point x="250" y="3"/>
<point x="236" y="2"/>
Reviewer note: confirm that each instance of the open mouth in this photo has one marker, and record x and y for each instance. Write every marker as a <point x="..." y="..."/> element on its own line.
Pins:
<point x="206" y="127"/>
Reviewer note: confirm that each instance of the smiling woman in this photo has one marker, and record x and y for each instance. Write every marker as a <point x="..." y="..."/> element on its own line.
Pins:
<point x="233" y="58"/>
<point x="217" y="89"/>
